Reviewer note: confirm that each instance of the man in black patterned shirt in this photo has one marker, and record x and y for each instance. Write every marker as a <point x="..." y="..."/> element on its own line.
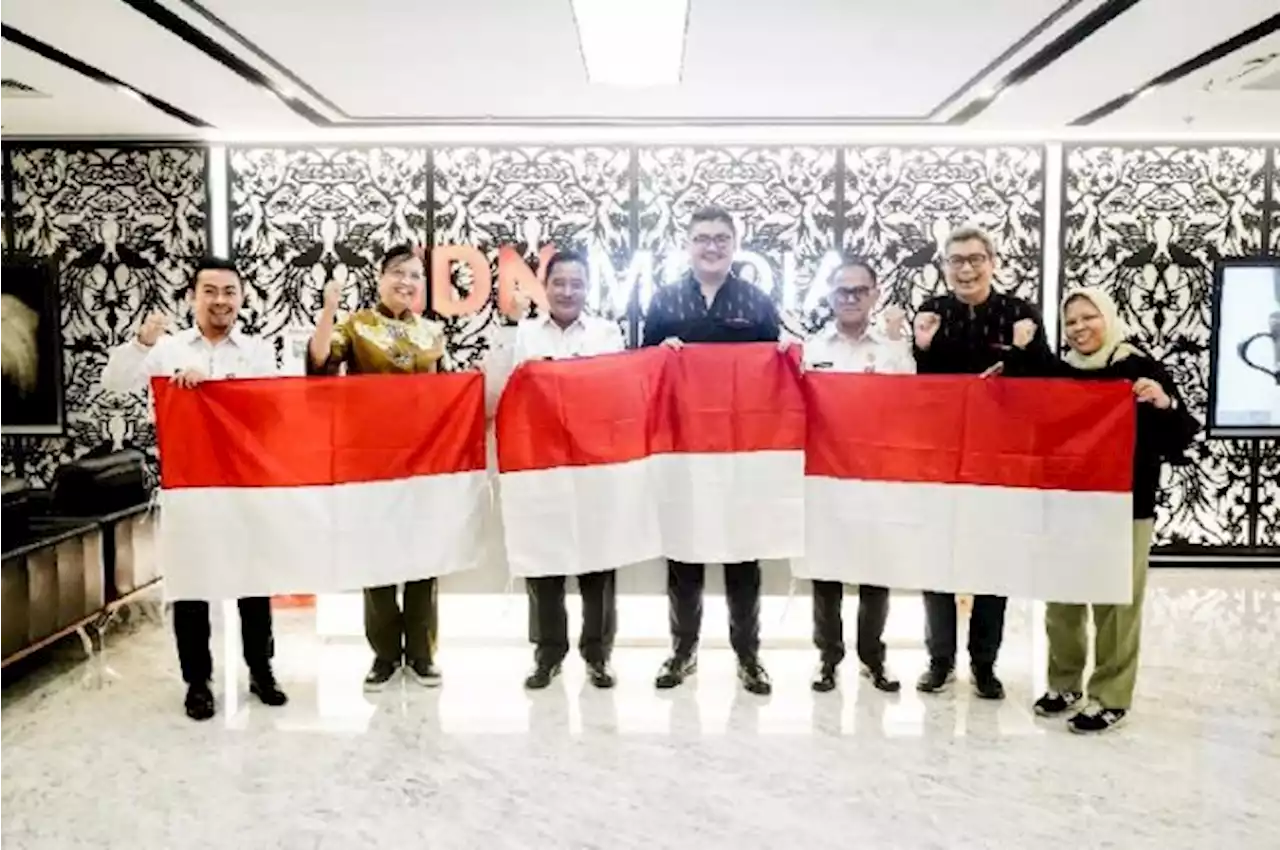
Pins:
<point x="711" y="304"/>
<point x="967" y="331"/>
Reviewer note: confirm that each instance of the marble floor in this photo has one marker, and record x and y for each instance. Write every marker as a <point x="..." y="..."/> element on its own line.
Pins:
<point x="100" y="755"/>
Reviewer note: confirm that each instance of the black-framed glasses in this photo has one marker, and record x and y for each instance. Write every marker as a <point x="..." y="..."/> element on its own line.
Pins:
<point x="973" y="261"/>
<point x="720" y="240"/>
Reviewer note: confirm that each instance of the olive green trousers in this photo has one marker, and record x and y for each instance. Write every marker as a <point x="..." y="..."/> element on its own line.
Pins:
<point x="1118" y="632"/>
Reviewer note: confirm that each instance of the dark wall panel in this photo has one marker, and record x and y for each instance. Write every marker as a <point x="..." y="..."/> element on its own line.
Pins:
<point x="1147" y="223"/>
<point x="300" y="217"/>
<point x="126" y="227"/>
<point x="527" y="197"/>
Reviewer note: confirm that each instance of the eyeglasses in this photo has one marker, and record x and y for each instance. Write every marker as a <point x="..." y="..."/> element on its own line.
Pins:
<point x="414" y="276"/>
<point x="973" y="261"/>
<point x="720" y="240"/>
<point x="851" y="293"/>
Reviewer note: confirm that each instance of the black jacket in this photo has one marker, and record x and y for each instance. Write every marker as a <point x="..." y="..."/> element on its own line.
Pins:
<point x="971" y="339"/>
<point x="740" y="312"/>
<point x="1162" y="435"/>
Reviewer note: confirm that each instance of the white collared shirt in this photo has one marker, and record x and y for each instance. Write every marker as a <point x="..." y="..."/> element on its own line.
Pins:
<point x="829" y="350"/>
<point x="237" y="355"/>
<point x="541" y="338"/>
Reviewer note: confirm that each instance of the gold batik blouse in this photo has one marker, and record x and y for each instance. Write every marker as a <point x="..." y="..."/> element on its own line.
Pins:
<point x="374" y="341"/>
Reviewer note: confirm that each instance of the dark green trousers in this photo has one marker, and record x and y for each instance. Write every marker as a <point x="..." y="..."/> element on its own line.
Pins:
<point x="409" y="634"/>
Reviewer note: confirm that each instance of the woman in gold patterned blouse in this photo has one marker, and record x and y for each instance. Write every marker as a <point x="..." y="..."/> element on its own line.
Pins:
<point x="388" y="338"/>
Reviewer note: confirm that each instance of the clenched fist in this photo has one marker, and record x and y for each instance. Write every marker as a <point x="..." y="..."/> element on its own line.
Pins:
<point x="152" y="328"/>
<point x="521" y="301"/>
<point x="1024" y="330"/>
<point x="926" y="328"/>
<point x="895" y="322"/>
<point x="332" y="297"/>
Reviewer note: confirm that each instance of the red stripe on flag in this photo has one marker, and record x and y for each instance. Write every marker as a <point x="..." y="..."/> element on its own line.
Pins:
<point x="1009" y="432"/>
<point x="730" y="398"/>
<point x="624" y="407"/>
<point x="297" y="432"/>
<point x="582" y="412"/>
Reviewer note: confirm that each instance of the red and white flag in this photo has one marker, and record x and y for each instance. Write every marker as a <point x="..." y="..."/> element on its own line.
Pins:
<point x="315" y="485"/>
<point x="695" y="455"/>
<point x="1015" y="487"/>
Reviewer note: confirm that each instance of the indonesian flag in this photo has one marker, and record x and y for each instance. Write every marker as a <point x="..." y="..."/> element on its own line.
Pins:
<point x="695" y="455"/>
<point x="1014" y="487"/>
<point x="316" y="485"/>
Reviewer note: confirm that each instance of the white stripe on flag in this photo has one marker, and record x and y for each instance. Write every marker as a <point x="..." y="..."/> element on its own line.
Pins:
<point x="571" y="520"/>
<point x="718" y="508"/>
<point x="1055" y="545"/>
<point x="228" y="542"/>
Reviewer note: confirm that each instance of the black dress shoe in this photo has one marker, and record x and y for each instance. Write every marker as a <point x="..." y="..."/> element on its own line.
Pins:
<point x="263" y="686"/>
<point x="936" y="679"/>
<point x="985" y="683"/>
<point x="824" y="680"/>
<point x="754" y="677"/>
<point x="199" y="702"/>
<point x="882" y="680"/>
<point x="601" y="674"/>
<point x="674" y="671"/>
<point x="541" y="676"/>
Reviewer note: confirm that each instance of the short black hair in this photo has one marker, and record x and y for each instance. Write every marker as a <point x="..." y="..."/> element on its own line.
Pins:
<point x="395" y="254"/>
<point x="854" y="262"/>
<point x="568" y="256"/>
<point x="713" y="213"/>
<point x="212" y="264"/>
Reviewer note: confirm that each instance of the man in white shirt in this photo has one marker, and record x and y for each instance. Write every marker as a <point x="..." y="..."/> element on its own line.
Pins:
<point x="851" y="344"/>
<point x="565" y="332"/>
<point x="213" y="349"/>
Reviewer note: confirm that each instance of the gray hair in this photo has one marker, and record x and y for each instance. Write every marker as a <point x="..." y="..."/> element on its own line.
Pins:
<point x="967" y="232"/>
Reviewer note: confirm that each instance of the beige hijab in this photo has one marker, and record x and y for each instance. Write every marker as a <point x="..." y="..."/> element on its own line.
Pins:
<point x="1114" y="347"/>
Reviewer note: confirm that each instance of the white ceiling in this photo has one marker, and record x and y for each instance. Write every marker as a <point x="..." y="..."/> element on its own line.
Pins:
<point x="401" y="63"/>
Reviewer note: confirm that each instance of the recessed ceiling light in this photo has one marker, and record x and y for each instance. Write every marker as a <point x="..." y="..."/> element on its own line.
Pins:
<point x="632" y="42"/>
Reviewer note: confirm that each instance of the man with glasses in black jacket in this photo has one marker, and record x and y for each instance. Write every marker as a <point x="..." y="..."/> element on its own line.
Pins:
<point x="711" y="304"/>
<point x="967" y="331"/>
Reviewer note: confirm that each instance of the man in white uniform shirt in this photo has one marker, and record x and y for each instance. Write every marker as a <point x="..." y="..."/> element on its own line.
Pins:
<point x="210" y="350"/>
<point x="851" y="344"/>
<point x="564" y="332"/>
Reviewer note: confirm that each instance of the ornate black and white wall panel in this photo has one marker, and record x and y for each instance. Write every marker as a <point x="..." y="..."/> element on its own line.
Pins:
<point x="783" y="199"/>
<point x="902" y="202"/>
<point x="126" y="227"/>
<point x="128" y="224"/>
<point x="303" y="216"/>
<point x="1147" y="224"/>
<point x="526" y="198"/>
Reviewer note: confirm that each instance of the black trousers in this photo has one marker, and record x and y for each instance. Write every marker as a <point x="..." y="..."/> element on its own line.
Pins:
<point x="986" y="628"/>
<point x="191" y="629"/>
<point x="685" y="583"/>
<point x="549" y="622"/>
<point x="828" y="622"/>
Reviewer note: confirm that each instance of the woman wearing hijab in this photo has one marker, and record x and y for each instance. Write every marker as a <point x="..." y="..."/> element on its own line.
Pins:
<point x="388" y="338"/>
<point x="1099" y="350"/>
